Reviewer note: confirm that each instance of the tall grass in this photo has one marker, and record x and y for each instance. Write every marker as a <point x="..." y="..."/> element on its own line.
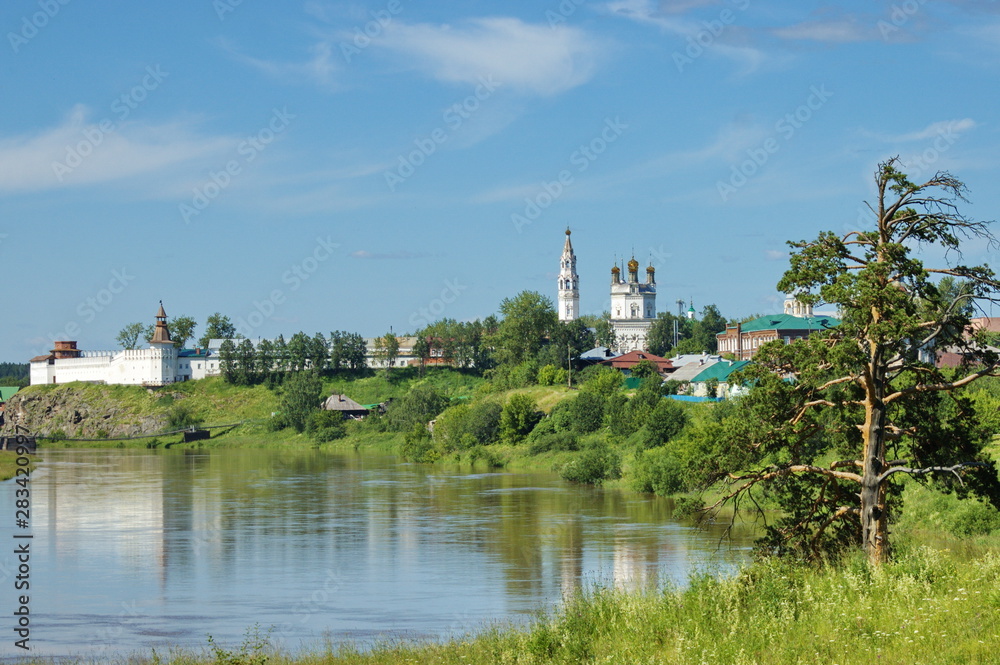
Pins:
<point x="923" y="608"/>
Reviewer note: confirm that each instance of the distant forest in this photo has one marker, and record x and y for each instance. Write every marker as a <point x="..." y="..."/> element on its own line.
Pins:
<point x="14" y="374"/>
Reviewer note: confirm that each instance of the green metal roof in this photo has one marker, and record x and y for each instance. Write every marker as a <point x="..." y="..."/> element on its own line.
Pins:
<point x="6" y="392"/>
<point x="789" y="322"/>
<point x="720" y="370"/>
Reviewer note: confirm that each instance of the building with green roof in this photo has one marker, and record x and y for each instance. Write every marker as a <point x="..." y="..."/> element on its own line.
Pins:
<point x="743" y="339"/>
<point x="720" y="372"/>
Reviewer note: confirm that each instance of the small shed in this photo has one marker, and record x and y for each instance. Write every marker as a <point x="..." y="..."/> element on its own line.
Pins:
<point x="345" y="405"/>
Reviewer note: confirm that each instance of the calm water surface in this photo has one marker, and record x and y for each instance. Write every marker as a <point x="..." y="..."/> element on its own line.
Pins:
<point x="141" y="549"/>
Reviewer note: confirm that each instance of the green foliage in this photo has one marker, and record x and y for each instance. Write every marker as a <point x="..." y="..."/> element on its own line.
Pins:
<point x="217" y="326"/>
<point x="585" y="412"/>
<point x="666" y="421"/>
<point x="974" y="518"/>
<point x="658" y="471"/>
<point x="128" y="337"/>
<point x="518" y="418"/>
<point x="324" y="426"/>
<point x="300" y="398"/>
<point x="466" y="425"/>
<point x="645" y="369"/>
<point x="57" y="435"/>
<point x="552" y="441"/>
<point x="603" y="380"/>
<point x="182" y="416"/>
<point x="417" y="407"/>
<point x="253" y="651"/>
<point x="528" y="318"/>
<point x="181" y="330"/>
<point x="594" y="465"/>
<point x="418" y="446"/>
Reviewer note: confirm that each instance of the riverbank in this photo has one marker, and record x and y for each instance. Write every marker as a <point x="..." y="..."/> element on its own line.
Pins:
<point x="925" y="607"/>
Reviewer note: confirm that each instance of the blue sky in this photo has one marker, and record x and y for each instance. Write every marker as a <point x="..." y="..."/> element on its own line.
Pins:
<point x="322" y="166"/>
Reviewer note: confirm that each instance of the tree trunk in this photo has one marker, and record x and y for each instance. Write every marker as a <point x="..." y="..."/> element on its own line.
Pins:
<point x="874" y="520"/>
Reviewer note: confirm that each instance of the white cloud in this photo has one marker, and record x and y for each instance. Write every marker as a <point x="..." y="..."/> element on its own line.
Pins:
<point x="321" y="69"/>
<point x="667" y="18"/>
<point x="935" y="129"/>
<point x="775" y="255"/>
<point x="838" y="30"/>
<point x="527" y="58"/>
<point x="107" y="151"/>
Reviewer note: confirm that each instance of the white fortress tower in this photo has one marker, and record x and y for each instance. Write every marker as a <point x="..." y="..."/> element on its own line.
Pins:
<point x="569" y="284"/>
<point x="633" y="307"/>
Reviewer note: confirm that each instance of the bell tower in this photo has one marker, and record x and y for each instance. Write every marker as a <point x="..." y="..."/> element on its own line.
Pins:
<point x="569" y="283"/>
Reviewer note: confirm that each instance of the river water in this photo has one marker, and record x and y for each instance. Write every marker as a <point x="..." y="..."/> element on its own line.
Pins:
<point x="133" y="550"/>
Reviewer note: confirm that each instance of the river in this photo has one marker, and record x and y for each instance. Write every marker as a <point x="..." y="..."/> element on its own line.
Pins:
<point x="133" y="550"/>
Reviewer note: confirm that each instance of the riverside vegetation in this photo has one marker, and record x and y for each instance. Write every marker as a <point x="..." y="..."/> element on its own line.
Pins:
<point x="840" y="437"/>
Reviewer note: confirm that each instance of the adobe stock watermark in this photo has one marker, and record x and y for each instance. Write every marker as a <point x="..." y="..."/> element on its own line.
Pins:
<point x="710" y="31"/>
<point x="424" y="316"/>
<point x="305" y="609"/>
<point x="296" y="275"/>
<point x="88" y="308"/>
<point x="33" y="23"/>
<point x="364" y="34"/>
<point x="946" y="137"/>
<point x="122" y="107"/>
<point x="565" y="9"/>
<point x="109" y="635"/>
<point x="454" y="116"/>
<point x="899" y="15"/>
<point x="785" y="129"/>
<point x="223" y="7"/>
<point x="246" y="151"/>
<point x="581" y="158"/>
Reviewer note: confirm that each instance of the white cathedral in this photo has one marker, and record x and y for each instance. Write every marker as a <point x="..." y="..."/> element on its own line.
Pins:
<point x="633" y="303"/>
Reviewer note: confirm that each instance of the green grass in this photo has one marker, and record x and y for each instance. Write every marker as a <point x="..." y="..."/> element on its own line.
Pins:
<point x="923" y="608"/>
<point x="8" y="464"/>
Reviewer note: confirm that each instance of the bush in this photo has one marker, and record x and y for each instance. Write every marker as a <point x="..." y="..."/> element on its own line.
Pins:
<point x="586" y="412"/>
<point x="418" y="447"/>
<point x="666" y="421"/>
<point x="417" y="407"/>
<point x="181" y="416"/>
<point x="518" y="418"/>
<point x="974" y="518"/>
<point x="463" y="425"/>
<point x="593" y="466"/>
<point x="57" y="435"/>
<point x="657" y="471"/>
<point x="556" y="441"/>
<point x="325" y="426"/>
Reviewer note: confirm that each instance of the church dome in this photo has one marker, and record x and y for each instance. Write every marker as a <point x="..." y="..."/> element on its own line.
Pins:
<point x="633" y="265"/>
<point x="650" y="269"/>
<point x="615" y="270"/>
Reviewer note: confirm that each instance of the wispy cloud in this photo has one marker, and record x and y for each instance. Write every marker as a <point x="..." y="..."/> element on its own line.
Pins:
<point x="832" y="30"/>
<point x="669" y="18"/>
<point x="320" y="68"/>
<point x="104" y="152"/>
<point x="933" y="130"/>
<point x="524" y="57"/>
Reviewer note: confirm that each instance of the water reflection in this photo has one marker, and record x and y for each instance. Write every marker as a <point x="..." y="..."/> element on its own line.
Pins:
<point x="135" y="549"/>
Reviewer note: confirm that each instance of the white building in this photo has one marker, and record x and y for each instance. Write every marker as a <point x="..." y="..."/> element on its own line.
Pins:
<point x="569" y="284"/>
<point x="161" y="364"/>
<point x="633" y="307"/>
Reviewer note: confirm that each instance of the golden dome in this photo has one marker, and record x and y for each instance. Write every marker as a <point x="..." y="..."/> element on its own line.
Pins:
<point x="615" y="270"/>
<point x="633" y="265"/>
<point x="650" y="269"/>
<point x="568" y="232"/>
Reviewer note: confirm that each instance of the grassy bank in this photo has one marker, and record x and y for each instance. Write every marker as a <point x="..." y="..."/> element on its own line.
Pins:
<point x="8" y="464"/>
<point x="923" y="608"/>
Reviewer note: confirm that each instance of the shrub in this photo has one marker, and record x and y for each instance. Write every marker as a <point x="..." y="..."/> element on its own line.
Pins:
<point x="57" y="435"/>
<point x="181" y="416"/>
<point x="586" y="412"/>
<point x="518" y="418"/>
<point x="666" y="421"/>
<point x="324" y="426"/>
<point x="593" y="466"/>
<point x="974" y="518"/>
<point x="468" y="424"/>
<point x="657" y="471"/>
<point x="417" y="445"/>
<point x="555" y="441"/>
<point x="417" y="407"/>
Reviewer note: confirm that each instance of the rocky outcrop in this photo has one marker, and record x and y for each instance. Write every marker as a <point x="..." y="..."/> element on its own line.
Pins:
<point x="88" y="413"/>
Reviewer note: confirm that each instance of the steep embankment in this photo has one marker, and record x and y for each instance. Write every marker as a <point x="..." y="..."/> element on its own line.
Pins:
<point x="81" y="410"/>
